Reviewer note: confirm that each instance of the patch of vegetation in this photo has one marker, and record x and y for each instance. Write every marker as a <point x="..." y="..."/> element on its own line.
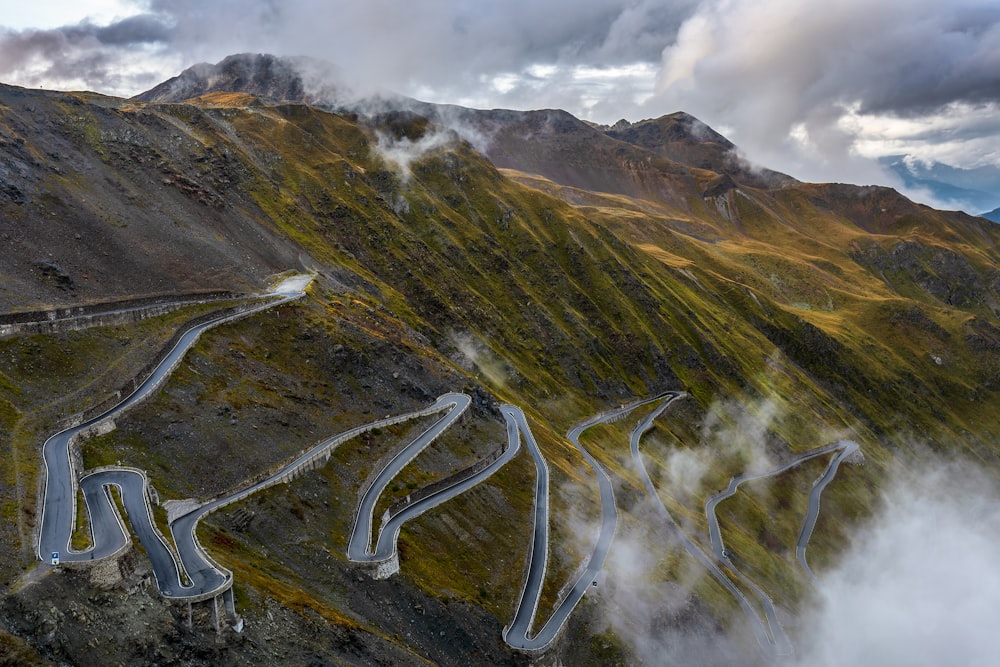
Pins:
<point x="15" y="652"/>
<point x="82" y="537"/>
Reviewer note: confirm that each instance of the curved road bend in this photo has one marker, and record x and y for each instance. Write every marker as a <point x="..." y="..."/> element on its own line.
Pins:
<point x="715" y="532"/>
<point x="772" y="640"/>
<point x="109" y="531"/>
<point x="358" y="547"/>
<point x="60" y="491"/>
<point x="847" y="447"/>
<point x="516" y="634"/>
<point x="389" y="532"/>
<point x="205" y="574"/>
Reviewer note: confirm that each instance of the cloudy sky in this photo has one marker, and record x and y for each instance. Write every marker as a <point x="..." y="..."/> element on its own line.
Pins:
<point x="810" y="87"/>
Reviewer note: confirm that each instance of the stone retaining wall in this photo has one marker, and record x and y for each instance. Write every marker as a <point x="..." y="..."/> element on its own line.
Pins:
<point x="73" y="318"/>
<point x="136" y="381"/>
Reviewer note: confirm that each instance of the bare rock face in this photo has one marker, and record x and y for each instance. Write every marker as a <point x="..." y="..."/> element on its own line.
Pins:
<point x="113" y="572"/>
<point x="265" y="76"/>
<point x="942" y="273"/>
<point x="55" y="274"/>
<point x="98" y="203"/>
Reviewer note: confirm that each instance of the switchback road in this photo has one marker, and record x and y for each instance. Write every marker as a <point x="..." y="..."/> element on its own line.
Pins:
<point x="186" y="571"/>
<point x="108" y="534"/>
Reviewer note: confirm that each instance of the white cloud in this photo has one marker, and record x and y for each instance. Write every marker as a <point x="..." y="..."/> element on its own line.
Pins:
<point x="402" y="153"/>
<point x="856" y="79"/>
<point x="921" y="585"/>
<point x="660" y="621"/>
<point x="55" y="13"/>
<point x="957" y="134"/>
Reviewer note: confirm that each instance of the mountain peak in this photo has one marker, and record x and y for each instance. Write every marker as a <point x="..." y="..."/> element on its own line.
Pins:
<point x="263" y="75"/>
<point x="509" y="138"/>
<point x="681" y="137"/>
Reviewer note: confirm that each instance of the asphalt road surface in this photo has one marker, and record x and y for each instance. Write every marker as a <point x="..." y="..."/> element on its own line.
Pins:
<point x="516" y="634"/>
<point x="770" y="637"/>
<point x="59" y="499"/>
<point x="361" y="534"/>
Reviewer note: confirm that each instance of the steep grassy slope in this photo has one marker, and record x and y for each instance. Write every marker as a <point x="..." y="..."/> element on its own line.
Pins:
<point x="823" y="310"/>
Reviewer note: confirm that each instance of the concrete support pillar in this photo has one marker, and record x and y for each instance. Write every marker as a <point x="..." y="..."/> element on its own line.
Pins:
<point x="387" y="568"/>
<point x="235" y="622"/>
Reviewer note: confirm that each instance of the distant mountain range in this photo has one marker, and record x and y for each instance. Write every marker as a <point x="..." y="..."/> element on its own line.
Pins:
<point x="993" y="215"/>
<point x="971" y="190"/>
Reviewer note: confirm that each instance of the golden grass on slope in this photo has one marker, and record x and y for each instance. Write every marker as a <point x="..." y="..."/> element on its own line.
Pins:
<point x="588" y="198"/>
<point x="668" y="258"/>
<point x="225" y="99"/>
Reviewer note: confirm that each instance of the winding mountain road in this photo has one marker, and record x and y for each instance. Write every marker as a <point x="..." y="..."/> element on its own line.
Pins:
<point x="516" y="634"/>
<point x="358" y="547"/>
<point x="769" y="632"/>
<point x="847" y="448"/>
<point x="844" y="449"/>
<point x="770" y="636"/>
<point x="389" y="531"/>
<point x="59" y="497"/>
<point x="186" y="571"/>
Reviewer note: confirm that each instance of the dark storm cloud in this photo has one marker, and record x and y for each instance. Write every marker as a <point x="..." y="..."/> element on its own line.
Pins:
<point x="83" y="54"/>
<point x="894" y="55"/>
<point x="141" y="29"/>
<point x="954" y="56"/>
<point x="785" y="74"/>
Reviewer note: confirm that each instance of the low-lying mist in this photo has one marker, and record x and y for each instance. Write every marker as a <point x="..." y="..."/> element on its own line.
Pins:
<point x="403" y="151"/>
<point x="916" y="584"/>
<point x="920" y="584"/>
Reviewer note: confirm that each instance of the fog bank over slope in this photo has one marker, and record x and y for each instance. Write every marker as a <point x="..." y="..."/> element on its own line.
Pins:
<point x="920" y="585"/>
